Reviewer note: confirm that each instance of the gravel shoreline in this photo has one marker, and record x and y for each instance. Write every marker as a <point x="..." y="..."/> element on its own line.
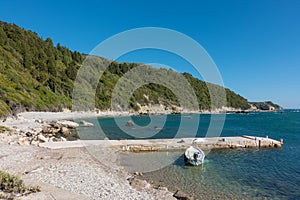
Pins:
<point x="29" y="120"/>
<point x="69" y="173"/>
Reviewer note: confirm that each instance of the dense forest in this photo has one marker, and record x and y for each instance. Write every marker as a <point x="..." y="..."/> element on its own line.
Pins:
<point x="36" y="75"/>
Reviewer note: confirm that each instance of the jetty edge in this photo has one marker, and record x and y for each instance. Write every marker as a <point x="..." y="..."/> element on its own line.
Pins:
<point x="173" y="144"/>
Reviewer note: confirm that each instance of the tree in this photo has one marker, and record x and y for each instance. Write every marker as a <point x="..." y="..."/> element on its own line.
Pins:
<point x="51" y="67"/>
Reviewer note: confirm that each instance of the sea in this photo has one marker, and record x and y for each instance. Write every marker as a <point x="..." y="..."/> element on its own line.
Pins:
<point x="266" y="173"/>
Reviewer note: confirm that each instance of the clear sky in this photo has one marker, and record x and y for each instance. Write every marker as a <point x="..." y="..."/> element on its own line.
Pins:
<point x="255" y="43"/>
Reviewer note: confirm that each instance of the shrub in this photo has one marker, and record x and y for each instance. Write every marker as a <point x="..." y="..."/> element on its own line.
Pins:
<point x="13" y="184"/>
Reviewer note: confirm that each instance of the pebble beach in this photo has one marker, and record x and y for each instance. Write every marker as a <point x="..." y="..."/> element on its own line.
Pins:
<point x="70" y="173"/>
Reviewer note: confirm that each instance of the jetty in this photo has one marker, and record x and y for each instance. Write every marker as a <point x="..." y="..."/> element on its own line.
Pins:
<point x="172" y="144"/>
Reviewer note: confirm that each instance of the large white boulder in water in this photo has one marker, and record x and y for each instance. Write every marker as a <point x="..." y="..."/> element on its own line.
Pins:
<point x="87" y="124"/>
<point x="68" y="124"/>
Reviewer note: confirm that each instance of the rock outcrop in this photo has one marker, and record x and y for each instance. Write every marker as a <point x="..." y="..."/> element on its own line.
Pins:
<point x="68" y="124"/>
<point x="86" y="124"/>
<point x="129" y="123"/>
<point x="182" y="195"/>
<point x="51" y="132"/>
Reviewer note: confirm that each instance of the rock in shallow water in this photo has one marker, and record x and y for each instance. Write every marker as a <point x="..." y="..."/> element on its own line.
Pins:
<point x="182" y="195"/>
<point x="68" y="124"/>
<point x="129" y="123"/>
<point x="138" y="183"/>
<point x="86" y="124"/>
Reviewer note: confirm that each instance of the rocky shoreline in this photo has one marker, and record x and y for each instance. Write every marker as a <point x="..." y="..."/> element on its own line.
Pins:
<point x="70" y="173"/>
<point x="36" y="127"/>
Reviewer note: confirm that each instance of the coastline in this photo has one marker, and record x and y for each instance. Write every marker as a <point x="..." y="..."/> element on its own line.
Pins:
<point x="27" y="120"/>
<point x="69" y="173"/>
<point x="48" y="165"/>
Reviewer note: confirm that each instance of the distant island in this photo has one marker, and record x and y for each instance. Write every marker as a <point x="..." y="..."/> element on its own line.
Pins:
<point x="35" y="75"/>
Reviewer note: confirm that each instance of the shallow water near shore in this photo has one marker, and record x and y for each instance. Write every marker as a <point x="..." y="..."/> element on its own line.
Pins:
<point x="227" y="174"/>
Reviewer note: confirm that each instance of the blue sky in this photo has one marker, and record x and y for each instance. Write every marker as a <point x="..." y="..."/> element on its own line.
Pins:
<point x="255" y="43"/>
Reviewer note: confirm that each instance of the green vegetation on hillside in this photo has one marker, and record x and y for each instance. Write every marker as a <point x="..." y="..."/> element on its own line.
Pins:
<point x="201" y="89"/>
<point x="36" y="75"/>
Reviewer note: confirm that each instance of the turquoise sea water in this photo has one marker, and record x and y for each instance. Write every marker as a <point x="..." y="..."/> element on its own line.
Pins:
<point x="231" y="174"/>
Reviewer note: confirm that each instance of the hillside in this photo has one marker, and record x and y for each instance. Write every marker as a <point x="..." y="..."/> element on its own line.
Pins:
<point x="36" y="75"/>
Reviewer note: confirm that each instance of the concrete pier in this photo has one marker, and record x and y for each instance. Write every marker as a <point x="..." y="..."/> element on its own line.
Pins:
<point x="172" y="144"/>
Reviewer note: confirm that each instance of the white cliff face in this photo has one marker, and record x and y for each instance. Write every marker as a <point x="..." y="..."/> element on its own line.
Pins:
<point x="162" y="109"/>
<point x="158" y="109"/>
<point x="252" y="107"/>
<point x="150" y="109"/>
